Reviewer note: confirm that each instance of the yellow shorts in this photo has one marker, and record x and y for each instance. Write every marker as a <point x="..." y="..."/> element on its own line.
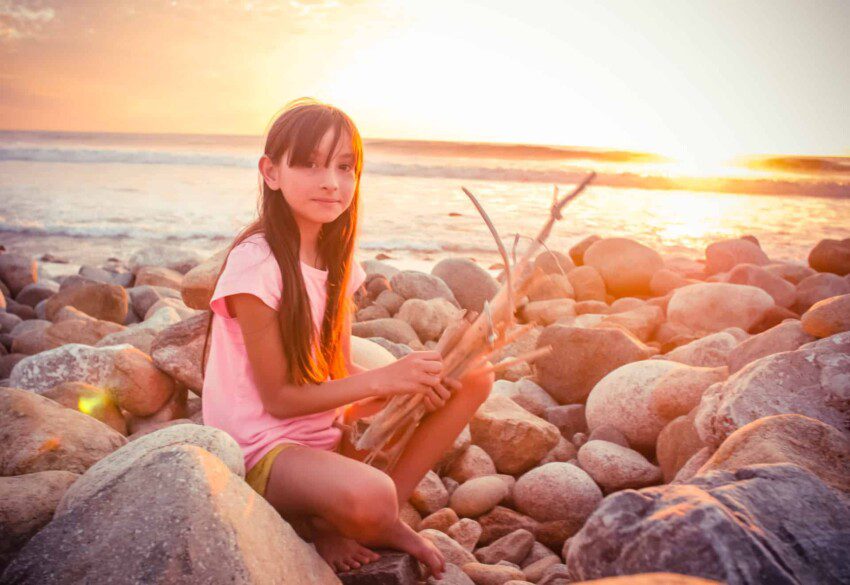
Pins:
<point x="258" y="476"/>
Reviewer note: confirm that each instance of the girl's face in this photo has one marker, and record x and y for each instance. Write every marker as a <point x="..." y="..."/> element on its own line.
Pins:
<point x="317" y="193"/>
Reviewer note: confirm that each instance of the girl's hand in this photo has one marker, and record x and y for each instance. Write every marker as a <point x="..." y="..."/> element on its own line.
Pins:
<point x="418" y="372"/>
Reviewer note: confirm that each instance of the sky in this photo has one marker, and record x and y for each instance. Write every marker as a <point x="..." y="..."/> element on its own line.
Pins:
<point x="697" y="79"/>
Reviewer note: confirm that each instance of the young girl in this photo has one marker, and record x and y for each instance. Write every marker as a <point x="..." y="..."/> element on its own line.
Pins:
<point x="279" y="372"/>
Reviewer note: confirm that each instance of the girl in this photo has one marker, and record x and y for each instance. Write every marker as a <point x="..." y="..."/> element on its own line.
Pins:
<point x="279" y="371"/>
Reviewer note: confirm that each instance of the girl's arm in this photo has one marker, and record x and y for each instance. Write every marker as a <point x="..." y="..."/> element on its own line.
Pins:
<point x="418" y="372"/>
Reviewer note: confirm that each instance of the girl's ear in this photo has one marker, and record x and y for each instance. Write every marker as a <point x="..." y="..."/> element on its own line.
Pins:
<point x="270" y="172"/>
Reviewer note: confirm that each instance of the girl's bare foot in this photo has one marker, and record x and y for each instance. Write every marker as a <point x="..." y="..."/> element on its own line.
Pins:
<point x="342" y="554"/>
<point x="403" y="537"/>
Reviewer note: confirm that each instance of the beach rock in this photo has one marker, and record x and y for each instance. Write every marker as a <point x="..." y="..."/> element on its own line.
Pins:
<point x="390" y="301"/>
<point x="439" y="520"/>
<point x="607" y="433"/>
<point x="553" y="262"/>
<point x="598" y="308"/>
<point x="623" y="398"/>
<point x="176" y="305"/>
<point x="393" y="566"/>
<point x="582" y="357"/>
<point x="142" y="335"/>
<point x="409" y="515"/>
<point x="624" y="304"/>
<point x="626" y="266"/>
<point x="787" y="438"/>
<point x="692" y="466"/>
<point x="557" y="492"/>
<point x="827" y="317"/>
<point x="114" y="467"/>
<point x="28" y="336"/>
<point x="793" y="273"/>
<point x="107" y="302"/>
<point x="526" y="393"/>
<point x="37" y="434"/>
<point x="535" y="571"/>
<point x="677" y="443"/>
<point x="578" y="250"/>
<point x="142" y="298"/>
<point x="453" y="552"/>
<point x="35" y="292"/>
<point x="377" y="267"/>
<point x="453" y="575"/>
<point x="787" y="336"/>
<point x="696" y="528"/>
<point x="159" y="276"/>
<point x="25" y="312"/>
<point x="811" y="381"/>
<point x="88" y="331"/>
<point x="372" y="312"/>
<point x="472" y="462"/>
<point x="470" y="284"/>
<point x="173" y="257"/>
<point x="197" y="285"/>
<point x="641" y="321"/>
<point x="177" y="350"/>
<point x="587" y="284"/>
<point x="501" y="521"/>
<point x="831" y="256"/>
<point x="8" y="363"/>
<point x="679" y="391"/>
<point x="819" y="287"/>
<point x="173" y="409"/>
<point x="200" y="522"/>
<point x="430" y="495"/>
<point x="91" y="400"/>
<point x="133" y="379"/>
<point x="412" y="284"/>
<point x="724" y="255"/>
<point x="569" y="418"/>
<point x="27" y="503"/>
<point x="8" y="322"/>
<point x="369" y="355"/>
<point x="394" y="330"/>
<point x="548" y="311"/>
<point x="428" y="318"/>
<point x="665" y="281"/>
<point x="482" y="574"/>
<point x="711" y="351"/>
<point x="17" y="271"/>
<point x="563" y="451"/>
<point x="513" y="547"/>
<point x="652" y="579"/>
<point x="614" y="467"/>
<point x="783" y="292"/>
<point x="714" y="306"/>
<point x="538" y="551"/>
<point x="545" y="287"/>
<point x="99" y="274"/>
<point x="515" y="439"/>
<point x="478" y="496"/>
<point x="465" y="532"/>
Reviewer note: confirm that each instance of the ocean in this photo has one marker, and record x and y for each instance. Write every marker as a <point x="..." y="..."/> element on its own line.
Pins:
<point x="86" y="197"/>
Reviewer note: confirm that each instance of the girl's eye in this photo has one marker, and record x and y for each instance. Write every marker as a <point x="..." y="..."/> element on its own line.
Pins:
<point x="345" y="167"/>
<point x="312" y="165"/>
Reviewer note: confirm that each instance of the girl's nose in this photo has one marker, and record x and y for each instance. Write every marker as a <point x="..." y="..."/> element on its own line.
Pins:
<point x="329" y="180"/>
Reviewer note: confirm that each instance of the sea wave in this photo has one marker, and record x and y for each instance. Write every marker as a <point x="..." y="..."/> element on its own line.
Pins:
<point x="826" y="187"/>
<point x="110" y="230"/>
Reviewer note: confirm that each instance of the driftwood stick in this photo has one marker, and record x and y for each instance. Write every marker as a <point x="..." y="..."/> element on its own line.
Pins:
<point x="525" y="357"/>
<point x="501" y="247"/>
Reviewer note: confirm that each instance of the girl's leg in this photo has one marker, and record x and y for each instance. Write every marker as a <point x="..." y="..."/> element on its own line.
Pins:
<point x="357" y="501"/>
<point x="436" y="433"/>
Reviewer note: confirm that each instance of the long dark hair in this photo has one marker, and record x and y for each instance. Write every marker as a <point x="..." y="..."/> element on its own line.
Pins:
<point x="296" y="132"/>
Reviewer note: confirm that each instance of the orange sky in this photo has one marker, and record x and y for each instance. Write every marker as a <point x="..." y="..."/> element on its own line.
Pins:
<point x="702" y="79"/>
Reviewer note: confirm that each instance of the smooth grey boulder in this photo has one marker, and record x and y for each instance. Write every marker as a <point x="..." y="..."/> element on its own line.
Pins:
<point x="177" y="516"/>
<point x="470" y="284"/>
<point x="775" y="524"/>
<point x="813" y="381"/>
<point x="412" y="284"/>
<point x="118" y="463"/>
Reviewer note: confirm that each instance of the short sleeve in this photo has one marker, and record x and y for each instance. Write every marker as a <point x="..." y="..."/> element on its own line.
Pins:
<point x="252" y="269"/>
<point x="358" y="276"/>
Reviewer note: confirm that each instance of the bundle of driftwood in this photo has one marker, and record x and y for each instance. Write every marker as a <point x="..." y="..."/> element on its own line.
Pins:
<point x="466" y="344"/>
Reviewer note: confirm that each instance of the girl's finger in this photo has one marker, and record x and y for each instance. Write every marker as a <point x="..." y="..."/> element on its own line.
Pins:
<point x="443" y="392"/>
<point x="453" y="383"/>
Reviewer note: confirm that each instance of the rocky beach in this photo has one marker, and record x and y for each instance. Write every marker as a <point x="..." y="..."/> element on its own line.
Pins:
<point x="690" y="425"/>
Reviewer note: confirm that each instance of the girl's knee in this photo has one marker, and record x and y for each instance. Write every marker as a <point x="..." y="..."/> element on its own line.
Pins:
<point x="477" y="387"/>
<point x="372" y="506"/>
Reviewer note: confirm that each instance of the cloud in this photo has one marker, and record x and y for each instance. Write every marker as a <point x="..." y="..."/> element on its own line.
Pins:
<point x="21" y="20"/>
